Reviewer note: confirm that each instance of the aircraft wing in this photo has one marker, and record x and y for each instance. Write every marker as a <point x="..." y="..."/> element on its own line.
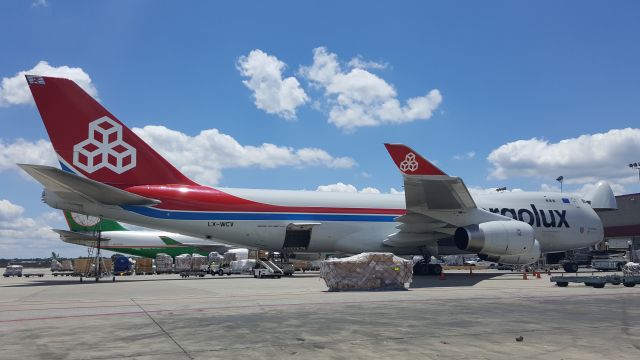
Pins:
<point x="437" y="204"/>
<point x="77" y="188"/>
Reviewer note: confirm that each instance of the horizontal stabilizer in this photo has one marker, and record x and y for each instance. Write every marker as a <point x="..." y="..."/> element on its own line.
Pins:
<point x="79" y="238"/>
<point x="62" y="182"/>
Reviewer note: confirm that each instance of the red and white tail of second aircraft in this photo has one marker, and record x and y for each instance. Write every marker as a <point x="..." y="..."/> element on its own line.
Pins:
<point x="108" y="171"/>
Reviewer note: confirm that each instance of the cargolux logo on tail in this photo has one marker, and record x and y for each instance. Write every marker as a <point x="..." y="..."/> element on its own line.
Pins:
<point x="104" y="148"/>
<point x="409" y="163"/>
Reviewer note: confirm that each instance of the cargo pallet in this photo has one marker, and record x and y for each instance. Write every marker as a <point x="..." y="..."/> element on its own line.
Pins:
<point x="64" y="273"/>
<point x="34" y="275"/>
<point x="186" y="274"/>
<point x="597" y="281"/>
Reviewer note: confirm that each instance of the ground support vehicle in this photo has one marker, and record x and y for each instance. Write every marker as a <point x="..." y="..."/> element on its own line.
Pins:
<point x="195" y="273"/>
<point x="225" y="271"/>
<point x="32" y="274"/>
<point x="265" y="268"/>
<point x="13" y="270"/>
<point x="608" y="264"/>
<point x="597" y="281"/>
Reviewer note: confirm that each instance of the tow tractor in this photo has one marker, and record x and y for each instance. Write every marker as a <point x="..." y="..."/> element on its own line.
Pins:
<point x="16" y="270"/>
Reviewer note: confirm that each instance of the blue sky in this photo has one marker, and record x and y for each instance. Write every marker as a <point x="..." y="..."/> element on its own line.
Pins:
<point x="565" y="74"/>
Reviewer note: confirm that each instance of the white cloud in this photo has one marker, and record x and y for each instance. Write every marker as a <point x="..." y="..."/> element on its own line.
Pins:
<point x="19" y="233"/>
<point x="468" y="156"/>
<point x="39" y="3"/>
<point x="360" y="63"/>
<point x="476" y="190"/>
<point x="271" y="92"/>
<point x="583" y="190"/>
<point x="202" y="157"/>
<point x="338" y="187"/>
<point x="370" y="190"/>
<point x="9" y="210"/>
<point x="22" y="151"/>
<point x="348" y="188"/>
<point x="359" y="98"/>
<point x="585" y="159"/>
<point x="14" y="90"/>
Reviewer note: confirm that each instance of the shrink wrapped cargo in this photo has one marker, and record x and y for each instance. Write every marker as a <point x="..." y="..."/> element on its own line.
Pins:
<point x="367" y="271"/>
<point x="631" y="269"/>
<point x="240" y="254"/>
<point x="122" y="265"/>
<point x="144" y="266"/>
<point x="86" y="266"/>
<point x="67" y="265"/>
<point x="230" y="256"/>
<point x="183" y="262"/>
<point x="56" y="265"/>
<point x="215" y="258"/>
<point x="243" y="265"/>
<point x="198" y="262"/>
<point x="82" y="266"/>
<point x="164" y="263"/>
<point x="301" y="265"/>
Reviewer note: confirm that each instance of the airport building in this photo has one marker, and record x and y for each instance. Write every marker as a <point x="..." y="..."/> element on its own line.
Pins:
<point x="622" y="226"/>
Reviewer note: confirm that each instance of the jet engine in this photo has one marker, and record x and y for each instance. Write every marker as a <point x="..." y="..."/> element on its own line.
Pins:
<point x="528" y="257"/>
<point x="498" y="238"/>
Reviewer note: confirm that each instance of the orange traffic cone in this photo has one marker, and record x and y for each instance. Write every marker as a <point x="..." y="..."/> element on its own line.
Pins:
<point x="442" y="276"/>
<point x="538" y="275"/>
<point x="524" y="275"/>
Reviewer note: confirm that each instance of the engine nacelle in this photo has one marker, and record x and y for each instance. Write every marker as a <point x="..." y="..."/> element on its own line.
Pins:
<point x="497" y="238"/>
<point x="527" y="258"/>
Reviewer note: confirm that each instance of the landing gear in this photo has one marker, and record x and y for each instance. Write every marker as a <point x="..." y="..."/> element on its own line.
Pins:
<point x="570" y="267"/>
<point x="422" y="267"/>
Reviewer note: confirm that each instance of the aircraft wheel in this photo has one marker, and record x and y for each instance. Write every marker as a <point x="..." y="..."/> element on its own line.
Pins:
<point x="436" y="269"/>
<point x="570" y="267"/>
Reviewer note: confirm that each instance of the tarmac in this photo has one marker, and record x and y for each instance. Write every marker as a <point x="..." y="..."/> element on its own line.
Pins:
<point x="466" y="316"/>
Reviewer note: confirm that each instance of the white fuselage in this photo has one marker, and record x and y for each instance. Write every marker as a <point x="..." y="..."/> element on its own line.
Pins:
<point x="560" y="221"/>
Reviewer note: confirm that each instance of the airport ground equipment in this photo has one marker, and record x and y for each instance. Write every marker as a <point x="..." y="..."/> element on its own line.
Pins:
<point x="33" y="275"/>
<point x="194" y="273"/>
<point x="13" y="270"/>
<point x="64" y="273"/>
<point x="597" y="281"/>
<point x="607" y="263"/>
<point x="266" y="269"/>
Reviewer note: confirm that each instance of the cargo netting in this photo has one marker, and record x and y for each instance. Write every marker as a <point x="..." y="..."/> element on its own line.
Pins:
<point x="367" y="271"/>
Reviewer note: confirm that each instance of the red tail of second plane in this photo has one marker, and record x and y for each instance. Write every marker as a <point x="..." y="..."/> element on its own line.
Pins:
<point x="92" y="142"/>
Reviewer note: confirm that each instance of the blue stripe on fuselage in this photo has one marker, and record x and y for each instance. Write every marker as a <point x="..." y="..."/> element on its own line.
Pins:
<point x="196" y="215"/>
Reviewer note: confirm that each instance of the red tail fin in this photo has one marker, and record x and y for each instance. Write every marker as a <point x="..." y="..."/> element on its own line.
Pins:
<point x="90" y="141"/>
<point x="409" y="162"/>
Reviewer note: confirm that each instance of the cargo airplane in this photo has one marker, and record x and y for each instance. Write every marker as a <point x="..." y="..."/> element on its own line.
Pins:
<point x="108" y="171"/>
<point x="84" y="230"/>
